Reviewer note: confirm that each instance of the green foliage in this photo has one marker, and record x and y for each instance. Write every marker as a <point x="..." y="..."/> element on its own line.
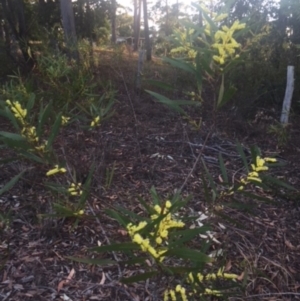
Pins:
<point x="11" y="183"/>
<point x="38" y="118"/>
<point x="228" y="193"/>
<point x="208" y="52"/>
<point x="162" y="236"/>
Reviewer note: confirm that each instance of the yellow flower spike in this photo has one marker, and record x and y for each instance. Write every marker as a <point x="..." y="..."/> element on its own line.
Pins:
<point x="173" y="295"/>
<point x="152" y="251"/>
<point x="157" y="208"/>
<point x="55" y="170"/>
<point x="259" y="161"/>
<point x="164" y="234"/>
<point x="160" y="253"/>
<point x="230" y="276"/>
<point x="211" y="276"/>
<point x="209" y="291"/>
<point x="40" y="148"/>
<point x="183" y="294"/>
<point x="158" y="240"/>
<point x="220" y="272"/>
<point x="272" y="160"/>
<point x="200" y="277"/>
<point x="137" y="238"/>
<point x="191" y="278"/>
<point x="17" y="109"/>
<point x="253" y="174"/>
<point x="95" y="121"/>
<point x="254" y="179"/>
<point x="220" y="17"/>
<point x="80" y="212"/>
<point x="237" y="25"/>
<point x="166" y="295"/>
<point x="64" y="120"/>
<point x="262" y="168"/>
<point x="168" y="204"/>
<point x="74" y="189"/>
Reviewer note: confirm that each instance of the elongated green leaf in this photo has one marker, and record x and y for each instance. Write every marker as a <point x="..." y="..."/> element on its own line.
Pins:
<point x="56" y="187"/>
<point x="6" y="112"/>
<point x="189" y="254"/>
<point x="232" y="64"/>
<point x="223" y="169"/>
<point x="272" y="180"/>
<point x="126" y="246"/>
<point x="243" y="156"/>
<point x="62" y="210"/>
<point x="139" y="277"/>
<point x="122" y="220"/>
<point x="135" y="260"/>
<point x="131" y="214"/>
<point x="11" y="183"/>
<point x="155" y="197"/>
<point x="166" y="101"/>
<point x="148" y="208"/>
<point x="92" y="261"/>
<point x="206" y="16"/>
<point x="30" y="102"/>
<point x="160" y="85"/>
<point x="12" y="136"/>
<point x="255" y="196"/>
<point x="205" y="57"/>
<point x="182" y="236"/>
<point x="183" y="270"/>
<point x="181" y="65"/>
<point x="211" y="180"/>
<point x="31" y="156"/>
<point x="86" y="188"/>
<point x="199" y="70"/>
<point x="228" y="94"/>
<point x="221" y="92"/>
<point x="205" y="188"/>
<point x="43" y="117"/>
<point x="16" y="144"/>
<point x="230" y="220"/>
<point x="54" y="131"/>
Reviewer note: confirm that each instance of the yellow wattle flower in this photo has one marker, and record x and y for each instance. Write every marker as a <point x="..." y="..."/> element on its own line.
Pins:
<point x="56" y="170"/>
<point x="95" y="121"/>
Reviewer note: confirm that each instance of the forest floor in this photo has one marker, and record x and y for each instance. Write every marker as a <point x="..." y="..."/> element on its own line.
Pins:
<point x="147" y="145"/>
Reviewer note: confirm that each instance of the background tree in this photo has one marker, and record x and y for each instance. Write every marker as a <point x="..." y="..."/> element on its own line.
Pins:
<point x="124" y="25"/>
<point x="147" y="34"/>
<point x="113" y="21"/>
<point x="137" y="23"/>
<point x="15" y="24"/>
<point x="69" y="28"/>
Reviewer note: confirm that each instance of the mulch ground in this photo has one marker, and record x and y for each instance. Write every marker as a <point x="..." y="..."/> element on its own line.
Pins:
<point x="147" y="145"/>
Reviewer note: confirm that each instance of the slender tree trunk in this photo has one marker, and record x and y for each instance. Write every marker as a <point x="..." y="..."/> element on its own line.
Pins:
<point x="137" y="24"/>
<point x="69" y="28"/>
<point x="147" y="35"/>
<point x="113" y="21"/>
<point x="89" y="26"/>
<point x="19" y="32"/>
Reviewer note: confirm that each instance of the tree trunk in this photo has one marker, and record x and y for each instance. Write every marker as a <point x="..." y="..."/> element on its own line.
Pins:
<point x="113" y="21"/>
<point x="20" y="31"/>
<point x="69" y="28"/>
<point x="137" y="24"/>
<point x="147" y="37"/>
